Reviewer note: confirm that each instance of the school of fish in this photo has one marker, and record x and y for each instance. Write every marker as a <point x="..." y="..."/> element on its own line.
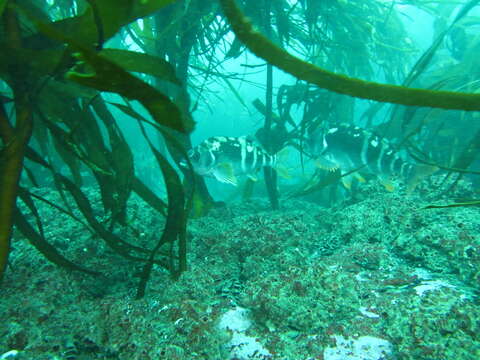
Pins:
<point x="345" y="148"/>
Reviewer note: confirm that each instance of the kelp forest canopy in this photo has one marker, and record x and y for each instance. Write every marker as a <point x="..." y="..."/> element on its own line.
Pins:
<point x="77" y="74"/>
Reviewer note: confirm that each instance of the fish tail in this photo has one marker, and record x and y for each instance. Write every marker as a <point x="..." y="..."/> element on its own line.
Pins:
<point x="420" y="172"/>
<point x="281" y="159"/>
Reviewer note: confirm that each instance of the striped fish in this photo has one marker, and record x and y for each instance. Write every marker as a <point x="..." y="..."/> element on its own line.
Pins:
<point x="224" y="158"/>
<point x="351" y="149"/>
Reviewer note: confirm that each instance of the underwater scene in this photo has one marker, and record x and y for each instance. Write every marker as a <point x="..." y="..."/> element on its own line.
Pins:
<point x="240" y="179"/>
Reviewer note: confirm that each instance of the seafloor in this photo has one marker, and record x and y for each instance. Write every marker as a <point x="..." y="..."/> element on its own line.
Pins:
<point x="373" y="277"/>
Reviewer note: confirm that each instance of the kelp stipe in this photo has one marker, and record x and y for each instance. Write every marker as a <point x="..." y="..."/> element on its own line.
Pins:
<point x="14" y="137"/>
<point x="266" y="50"/>
<point x="79" y="141"/>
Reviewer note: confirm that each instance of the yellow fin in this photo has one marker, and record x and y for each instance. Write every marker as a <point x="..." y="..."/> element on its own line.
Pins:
<point x="359" y="177"/>
<point x="282" y="155"/>
<point x="347" y="181"/>
<point x="387" y="184"/>
<point x="280" y="165"/>
<point x="420" y="172"/>
<point x="283" y="172"/>
<point x="223" y="172"/>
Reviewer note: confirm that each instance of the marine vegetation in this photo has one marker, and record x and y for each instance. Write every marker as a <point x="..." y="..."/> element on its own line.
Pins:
<point x="69" y="69"/>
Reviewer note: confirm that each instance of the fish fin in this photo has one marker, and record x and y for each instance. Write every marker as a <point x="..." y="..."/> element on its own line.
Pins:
<point x="252" y="177"/>
<point x="347" y="181"/>
<point x="388" y="186"/>
<point x="283" y="172"/>
<point x="326" y="164"/>
<point x="359" y="177"/>
<point x="421" y="171"/>
<point x="224" y="173"/>
<point x="387" y="183"/>
<point x="280" y="165"/>
<point x="283" y="154"/>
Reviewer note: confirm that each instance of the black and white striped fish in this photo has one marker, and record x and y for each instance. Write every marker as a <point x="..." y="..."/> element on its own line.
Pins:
<point x="224" y="158"/>
<point x="348" y="148"/>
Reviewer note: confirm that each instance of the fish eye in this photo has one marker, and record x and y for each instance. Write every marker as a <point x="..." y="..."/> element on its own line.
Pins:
<point x="193" y="155"/>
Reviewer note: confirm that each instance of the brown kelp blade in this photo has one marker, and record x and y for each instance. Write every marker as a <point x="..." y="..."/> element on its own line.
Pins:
<point x="106" y="75"/>
<point x="99" y="22"/>
<point x="175" y="226"/>
<point x="142" y="63"/>
<point x="460" y="204"/>
<point x="37" y="238"/>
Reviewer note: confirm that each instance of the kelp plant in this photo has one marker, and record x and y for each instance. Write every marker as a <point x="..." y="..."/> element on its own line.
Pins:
<point x="317" y="105"/>
<point x="265" y="49"/>
<point x="55" y="65"/>
<point x="57" y="60"/>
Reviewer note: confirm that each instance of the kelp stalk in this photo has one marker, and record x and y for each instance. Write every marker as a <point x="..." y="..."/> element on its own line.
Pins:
<point x="14" y="139"/>
<point x="265" y="49"/>
<point x="15" y="142"/>
<point x="269" y="173"/>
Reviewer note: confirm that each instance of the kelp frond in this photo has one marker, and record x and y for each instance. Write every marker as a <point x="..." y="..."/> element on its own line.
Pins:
<point x="265" y="49"/>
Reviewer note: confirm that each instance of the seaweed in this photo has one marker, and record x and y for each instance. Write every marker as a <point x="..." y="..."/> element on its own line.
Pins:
<point x="55" y="114"/>
<point x="37" y="239"/>
<point x="459" y="204"/>
<point x="143" y="63"/>
<point x="14" y="142"/>
<point x="398" y="123"/>
<point x="269" y="174"/>
<point x="175" y="226"/>
<point x="265" y="49"/>
<point x="73" y="118"/>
